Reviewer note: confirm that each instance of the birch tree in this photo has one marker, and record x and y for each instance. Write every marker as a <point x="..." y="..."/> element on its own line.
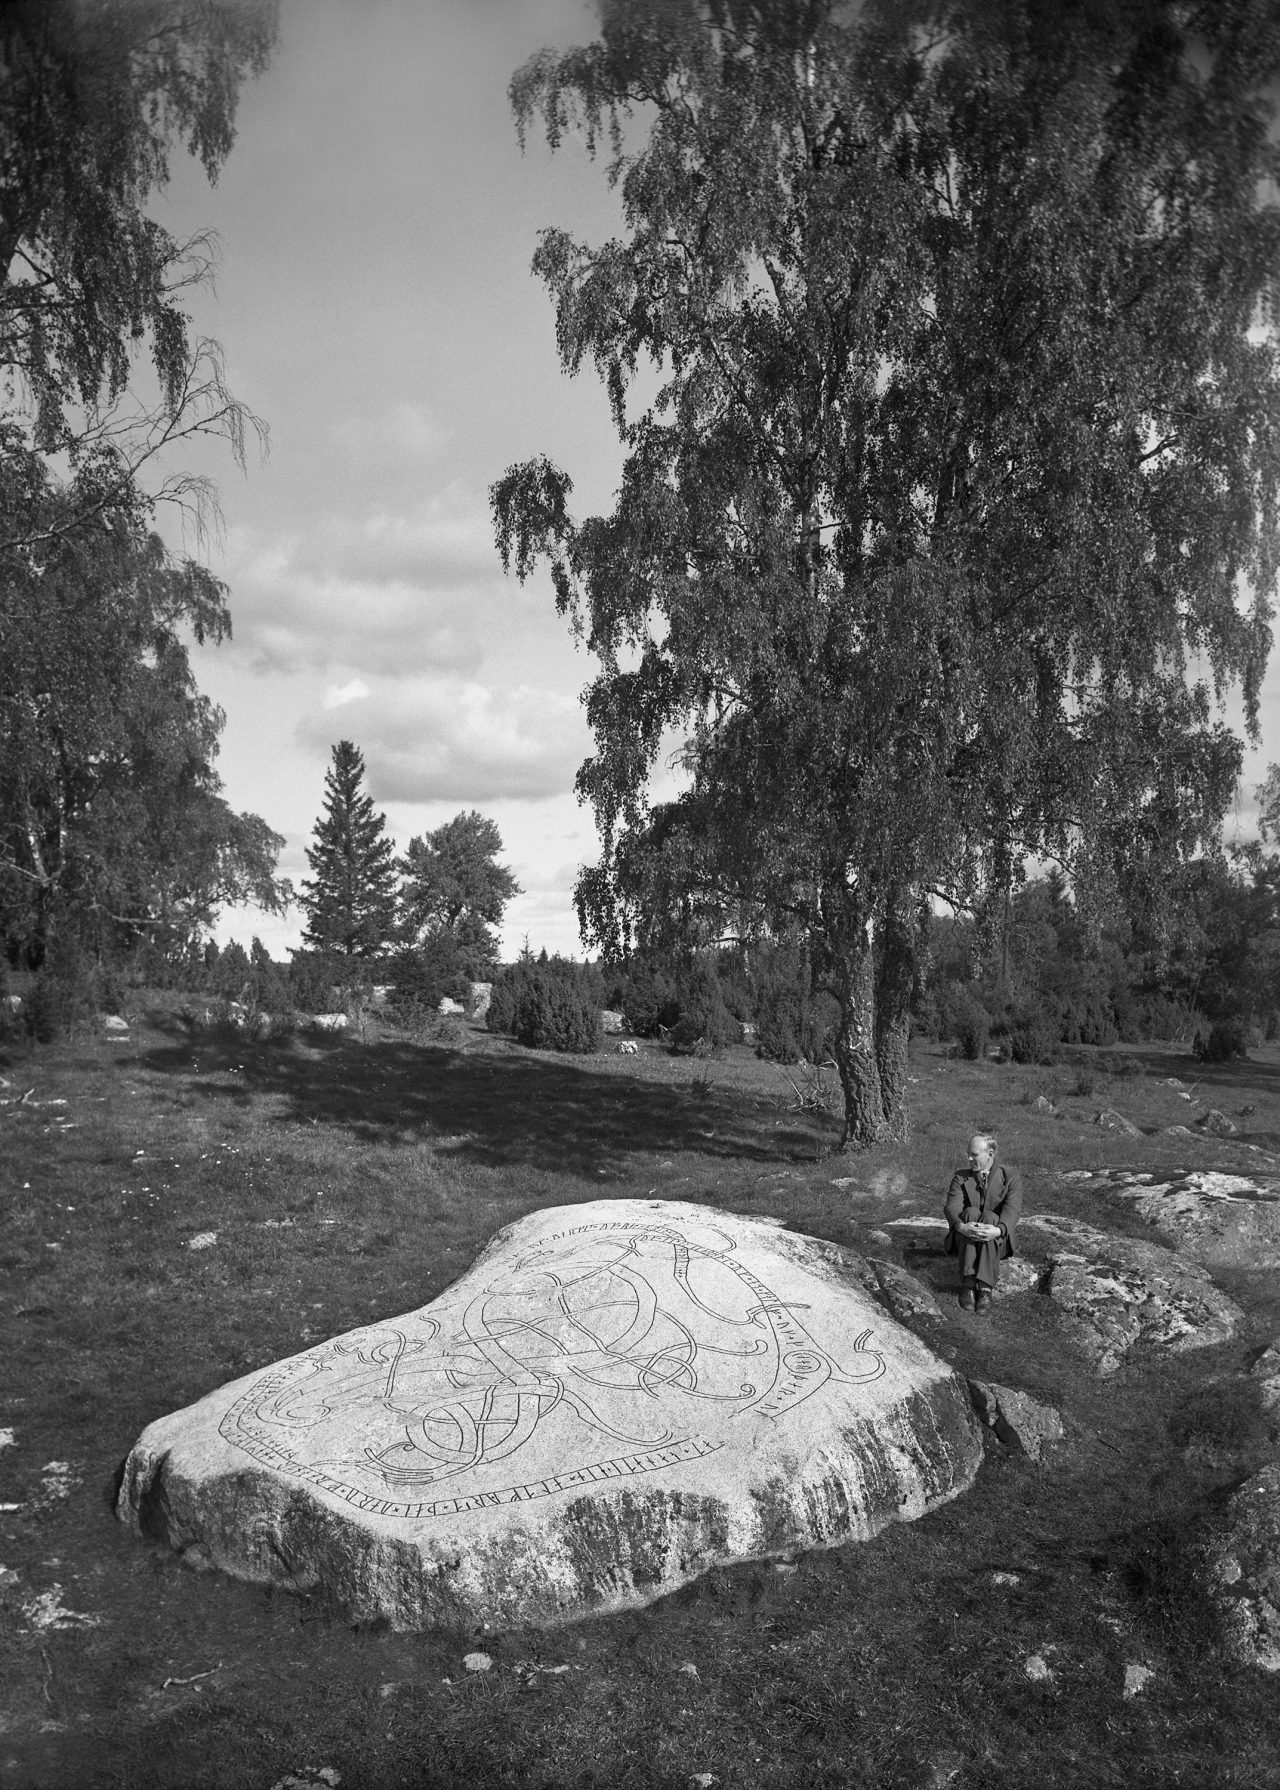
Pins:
<point x="940" y="343"/>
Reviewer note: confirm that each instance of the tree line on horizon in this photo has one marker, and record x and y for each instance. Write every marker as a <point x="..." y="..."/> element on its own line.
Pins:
<point x="1028" y="973"/>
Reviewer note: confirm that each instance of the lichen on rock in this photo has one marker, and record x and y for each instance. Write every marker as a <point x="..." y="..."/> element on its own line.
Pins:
<point x="615" y="1397"/>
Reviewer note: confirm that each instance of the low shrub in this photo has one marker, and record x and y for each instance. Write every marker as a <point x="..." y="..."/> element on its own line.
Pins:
<point x="1088" y="1080"/>
<point x="791" y="1031"/>
<point x="704" y="1023"/>
<point x="424" y="976"/>
<point x="650" y="1001"/>
<point x="65" y="995"/>
<point x="1225" y="1041"/>
<point x="556" y="1015"/>
<point x="1033" y="1037"/>
<point x="545" y="1007"/>
<point x="971" y="1028"/>
<point x="312" y="977"/>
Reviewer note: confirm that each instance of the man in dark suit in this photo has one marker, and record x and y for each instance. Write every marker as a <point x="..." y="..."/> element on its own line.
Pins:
<point x="984" y="1194"/>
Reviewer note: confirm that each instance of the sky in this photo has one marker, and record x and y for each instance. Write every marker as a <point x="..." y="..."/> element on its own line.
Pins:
<point x="376" y="308"/>
<point x="375" y="305"/>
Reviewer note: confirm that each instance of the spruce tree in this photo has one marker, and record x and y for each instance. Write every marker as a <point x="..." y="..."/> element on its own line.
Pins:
<point x="350" y="899"/>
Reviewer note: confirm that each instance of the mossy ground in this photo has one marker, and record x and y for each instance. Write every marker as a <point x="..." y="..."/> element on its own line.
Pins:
<point x="346" y="1178"/>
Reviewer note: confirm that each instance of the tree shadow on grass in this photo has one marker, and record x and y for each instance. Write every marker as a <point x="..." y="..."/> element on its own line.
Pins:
<point x="494" y="1108"/>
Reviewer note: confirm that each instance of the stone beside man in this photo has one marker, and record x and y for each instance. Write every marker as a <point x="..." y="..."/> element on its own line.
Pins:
<point x="983" y="1205"/>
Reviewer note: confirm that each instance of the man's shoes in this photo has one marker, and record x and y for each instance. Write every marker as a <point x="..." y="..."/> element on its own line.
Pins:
<point x="984" y="1301"/>
<point x="966" y="1299"/>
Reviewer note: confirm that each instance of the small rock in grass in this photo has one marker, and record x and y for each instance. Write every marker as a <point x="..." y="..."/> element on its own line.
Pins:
<point x="705" y="1779"/>
<point x="1006" y="1578"/>
<point x="1136" y="1678"/>
<point x="944" y="1770"/>
<point x="59" y="1477"/>
<point x="8" y="1439"/>
<point x="1216" y="1123"/>
<point x="1038" y="1669"/>
<point x="1016" y="1419"/>
<point x="202" y="1240"/>
<point x="477" y="1662"/>
<point x="48" y="1612"/>
<point x="1111" y="1120"/>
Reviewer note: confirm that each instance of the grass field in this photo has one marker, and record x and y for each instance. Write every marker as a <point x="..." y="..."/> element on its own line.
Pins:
<point x="347" y="1178"/>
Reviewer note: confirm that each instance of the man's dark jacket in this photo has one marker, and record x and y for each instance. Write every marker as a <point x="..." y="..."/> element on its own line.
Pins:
<point x="1001" y="1203"/>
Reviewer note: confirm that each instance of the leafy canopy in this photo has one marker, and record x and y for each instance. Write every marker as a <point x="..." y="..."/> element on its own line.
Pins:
<point x="954" y="509"/>
<point x="454" y="886"/>
<point x="112" y="825"/>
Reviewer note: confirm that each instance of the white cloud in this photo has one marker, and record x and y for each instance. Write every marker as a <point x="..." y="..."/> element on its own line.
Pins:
<point x="444" y="739"/>
<point x="394" y="442"/>
<point x="338" y="695"/>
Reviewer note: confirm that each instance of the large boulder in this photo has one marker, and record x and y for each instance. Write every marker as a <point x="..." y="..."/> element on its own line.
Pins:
<point x="1118" y="1293"/>
<point x="1224" y="1221"/>
<point x="614" y="1398"/>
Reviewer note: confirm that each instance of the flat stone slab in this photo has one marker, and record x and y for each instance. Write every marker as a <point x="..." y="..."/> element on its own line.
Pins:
<point x="614" y="1398"/>
<point x="1221" y="1220"/>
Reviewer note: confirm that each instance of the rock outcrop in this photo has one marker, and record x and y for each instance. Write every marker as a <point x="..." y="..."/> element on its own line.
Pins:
<point x="614" y="1398"/>
<point x="1221" y="1220"/>
<point x="1244" y="1571"/>
<point x="1118" y="1293"/>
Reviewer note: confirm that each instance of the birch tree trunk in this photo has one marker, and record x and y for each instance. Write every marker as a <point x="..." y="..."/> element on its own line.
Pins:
<point x="856" y="1056"/>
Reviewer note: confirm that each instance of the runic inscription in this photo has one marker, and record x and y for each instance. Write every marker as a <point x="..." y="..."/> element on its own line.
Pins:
<point x="615" y="1347"/>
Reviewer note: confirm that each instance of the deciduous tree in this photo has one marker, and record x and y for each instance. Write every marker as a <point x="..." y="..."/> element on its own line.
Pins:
<point x="95" y="95"/>
<point x="454" y="888"/>
<point x="112" y="822"/>
<point x="955" y="456"/>
<point x="350" y="899"/>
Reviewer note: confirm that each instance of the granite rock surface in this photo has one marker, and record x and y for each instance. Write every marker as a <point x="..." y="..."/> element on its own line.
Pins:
<point x="1120" y="1293"/>
<point x="614" y="1398"/>
<point x="1221" y="1220"/>
<point x="1244" y="1571"/>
